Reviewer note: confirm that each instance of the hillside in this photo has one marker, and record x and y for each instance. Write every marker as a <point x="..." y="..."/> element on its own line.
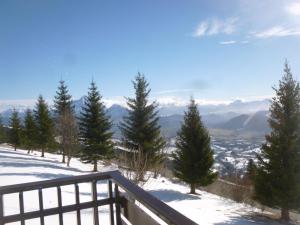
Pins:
<point x="205" y="208"/>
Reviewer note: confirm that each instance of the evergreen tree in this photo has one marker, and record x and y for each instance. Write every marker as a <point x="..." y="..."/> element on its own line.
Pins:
<point x="30" y="131"/>
<point x="45" y="135"/>
<point x="3" y="134"/>
<point x="63" y="111"/>
<point x="15" y="129"/>
<point x="277" y="183"/>
<point x="94" y="129"/>
<point x="141" y="131"/>
<point x="193" y="159"/>
<point x="250" y="170"/>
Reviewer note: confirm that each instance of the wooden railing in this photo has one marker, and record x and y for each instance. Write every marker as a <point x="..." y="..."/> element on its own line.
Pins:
<point x="122" y="205"/>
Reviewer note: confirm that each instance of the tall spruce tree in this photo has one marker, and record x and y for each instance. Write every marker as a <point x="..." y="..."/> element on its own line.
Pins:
<point x="63" y="112"/>
<point x="15" y="129"/>
<point x="94" y="126"/>
<point x="277" y="183"/>
<point x="30" y="131"/>
<point x="141" y="131"/>
<point x="193" y="158"/>
<point x="45" y="127"/>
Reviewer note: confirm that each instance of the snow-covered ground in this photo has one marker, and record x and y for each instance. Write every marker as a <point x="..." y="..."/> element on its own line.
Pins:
<point x="205" y="208"/>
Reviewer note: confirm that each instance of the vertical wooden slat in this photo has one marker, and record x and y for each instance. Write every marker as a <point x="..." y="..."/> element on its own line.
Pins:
<point x="94" y="199"/>
<point x="21" y="204"/>
<point x="111" y="205"/>
<point x="77" y="203"/>
<point x="59" y="200"/>
<point x="41" y="206"/>
<point x="1" y="209"/>
<point x="118" y="207"/>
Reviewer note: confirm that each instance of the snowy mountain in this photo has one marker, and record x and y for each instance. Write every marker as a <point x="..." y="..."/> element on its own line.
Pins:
<point x="248" y="122"/>
<point x="238" y="115"/>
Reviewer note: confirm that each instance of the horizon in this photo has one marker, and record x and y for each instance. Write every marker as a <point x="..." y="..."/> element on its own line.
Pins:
<point x="213" y="52"/>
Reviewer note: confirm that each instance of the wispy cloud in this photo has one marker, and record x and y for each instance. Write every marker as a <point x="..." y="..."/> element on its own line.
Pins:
<point x="216" y="26"/>
<point x="227" y="42"/>
<point x="277" y="31"/>
<point x="293" y="8"/>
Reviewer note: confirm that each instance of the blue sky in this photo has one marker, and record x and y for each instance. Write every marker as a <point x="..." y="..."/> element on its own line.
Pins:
<point x="214" y="50"/>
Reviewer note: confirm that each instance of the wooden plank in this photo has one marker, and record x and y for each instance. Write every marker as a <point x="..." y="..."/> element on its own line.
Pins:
<point x="55" y="211"/>
<point x="111" y="205"/>
<point x="77" y="203"/>
<point x="161" y="209"/>
<point x="59" y="201"/>
<point x="15" y="188"/>
<point x="41" y="204"/>
<point x="118" y="206"/>
<point x="94" y="199"/>
<point x="1" y="210"/>
<point x="21" y="207"/>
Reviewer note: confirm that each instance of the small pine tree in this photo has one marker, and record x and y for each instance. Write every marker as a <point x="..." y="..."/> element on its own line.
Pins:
<point x="30" y="131"/>
<point x="63" y="110"/>
<point x="45" y="135"/>
<point x="141" y="131"/>
<point x="250" y="170"/>
<point x="278" y="173"/>
<point x="193" y="159"/>
<point x="15" y="129"/>
<point x="94" y="126"/>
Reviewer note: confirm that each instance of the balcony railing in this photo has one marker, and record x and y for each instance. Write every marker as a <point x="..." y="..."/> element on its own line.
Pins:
<point x="123" y="207"/>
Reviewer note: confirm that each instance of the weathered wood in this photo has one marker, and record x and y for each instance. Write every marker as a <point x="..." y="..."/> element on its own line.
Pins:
<point x="94" y="198"/>
<point x="59" y="201"/>
<point x="77" y="203"/>
<point x="162" y="210"/>
<point x="21" y="206"/>
<point x="111" y="205"/>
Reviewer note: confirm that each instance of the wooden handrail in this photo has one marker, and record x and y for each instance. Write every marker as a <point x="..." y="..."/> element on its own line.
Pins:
<point x="159" y="208"/>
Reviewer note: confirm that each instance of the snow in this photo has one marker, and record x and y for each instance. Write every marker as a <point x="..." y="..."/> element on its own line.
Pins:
<point x="19" y="167"/>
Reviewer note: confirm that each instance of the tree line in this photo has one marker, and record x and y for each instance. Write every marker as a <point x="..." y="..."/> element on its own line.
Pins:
<point x="275" y="173"/>
<point x="89" y="136"/>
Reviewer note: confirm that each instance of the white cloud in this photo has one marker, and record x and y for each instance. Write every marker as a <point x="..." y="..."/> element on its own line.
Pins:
<point x="277" y="31"/>
<point x="227" y="42"/>
<point x="293" y="8"/>
<point x="216" y="26"/>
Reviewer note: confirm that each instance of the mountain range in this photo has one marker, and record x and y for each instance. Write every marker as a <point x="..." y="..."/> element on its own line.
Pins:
<point x="238" y="116"/>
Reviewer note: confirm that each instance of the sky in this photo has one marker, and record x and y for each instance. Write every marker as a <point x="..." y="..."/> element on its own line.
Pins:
<point x="215" y="51"/>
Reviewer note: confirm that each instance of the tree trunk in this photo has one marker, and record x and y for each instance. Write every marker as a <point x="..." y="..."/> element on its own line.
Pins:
<point x="63" y="158"/>
<point x="28" y="151"/>
<point x="15" y="148"/>
<point x="68" y="161"/>
<point x="193" y="189"/>
<point x="43" y="153"/>
<point x="95" y="166"/>
<point x="285" y="215"/>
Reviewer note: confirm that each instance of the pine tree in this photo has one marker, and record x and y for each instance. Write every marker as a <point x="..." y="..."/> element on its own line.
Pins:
<point x="94" y="129"/>
<point x="45" y="135"/>
<point x="30" y="131"/>
<point x="15" y="129"/>
<point x="277" y="183"/>
<point x="3" y="133"/>
<point x="250" y="170"/>
<point x="141" y="131"/>
<point x="63" y="112"/>
<point x="193" y="158"/>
